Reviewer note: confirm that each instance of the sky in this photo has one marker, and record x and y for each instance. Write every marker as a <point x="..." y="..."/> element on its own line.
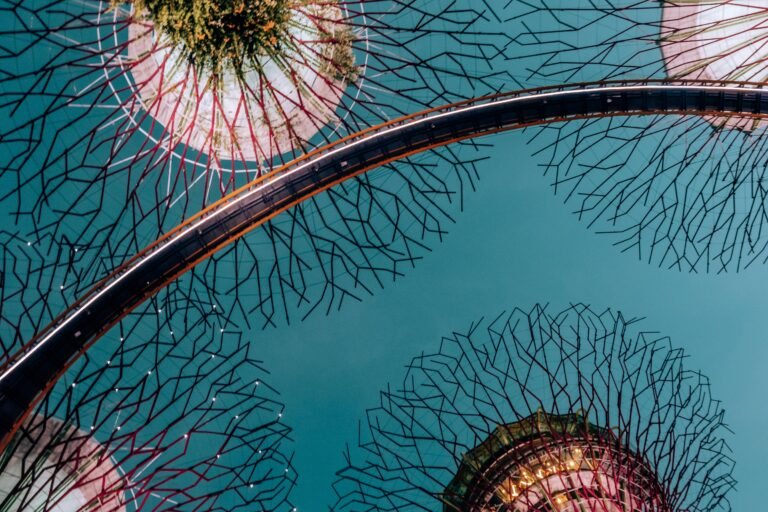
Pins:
<point x="515" y="244"/>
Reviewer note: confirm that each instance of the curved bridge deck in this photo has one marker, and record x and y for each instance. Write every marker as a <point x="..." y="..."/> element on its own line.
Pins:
<point x="30" y="373"/>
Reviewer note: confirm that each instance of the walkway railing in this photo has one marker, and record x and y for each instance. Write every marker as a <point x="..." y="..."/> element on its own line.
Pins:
<point x="30" y="373"/>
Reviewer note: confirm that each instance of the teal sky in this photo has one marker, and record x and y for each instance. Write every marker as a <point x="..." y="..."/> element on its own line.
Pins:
<point x="515" y="244"/>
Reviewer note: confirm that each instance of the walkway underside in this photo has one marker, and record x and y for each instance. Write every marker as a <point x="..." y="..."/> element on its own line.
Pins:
<point x="30" y="373"/>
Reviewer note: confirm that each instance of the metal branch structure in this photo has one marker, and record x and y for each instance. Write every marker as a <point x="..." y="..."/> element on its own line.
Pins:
<point x="536" y="410"/>
<point x="144" y="139"/>
<point x="117" y="129"/>
<point x="173" y="413"/>
<point x="681" y="193"/>
<point x="41" y="361"/>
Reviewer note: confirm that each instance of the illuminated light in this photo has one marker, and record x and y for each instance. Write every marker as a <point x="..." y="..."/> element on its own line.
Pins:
<point x="62" y="456"/>
<point x="717" y="40"/>
<point x="266" y="106"/>
<point x="522" y="463"/>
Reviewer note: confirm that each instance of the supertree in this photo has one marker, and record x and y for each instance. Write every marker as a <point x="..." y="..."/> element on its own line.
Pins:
<point x="681" y="192"/>
<point x="173" y="412"/>
<point x="540" y="411"/>
<point x="126" y="117"/>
